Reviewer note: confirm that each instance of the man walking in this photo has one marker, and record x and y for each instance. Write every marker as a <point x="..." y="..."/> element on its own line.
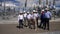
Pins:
<point x="35" y="15"/>
<point x="20" y="20"/>
<point x="47" y="18"/>
<point x="25" y="18"/>
<point x="29" y="19"/>
<point x="42" y="18"/>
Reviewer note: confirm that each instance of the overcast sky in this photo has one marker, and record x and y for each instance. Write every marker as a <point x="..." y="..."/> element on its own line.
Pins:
<point x="30" y="2"/>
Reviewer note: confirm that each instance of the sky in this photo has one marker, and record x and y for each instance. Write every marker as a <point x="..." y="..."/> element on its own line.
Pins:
<point x="10" y="0"/>
<point x="21" y="2"/>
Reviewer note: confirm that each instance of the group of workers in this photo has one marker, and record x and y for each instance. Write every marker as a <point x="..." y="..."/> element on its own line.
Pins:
<point x="30" y="19"/>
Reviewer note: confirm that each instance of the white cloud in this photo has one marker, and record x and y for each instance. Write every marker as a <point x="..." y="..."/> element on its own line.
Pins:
<point x="20" y="1"/>
<point x="30" y="2"/>
<point x="9" y="4"/>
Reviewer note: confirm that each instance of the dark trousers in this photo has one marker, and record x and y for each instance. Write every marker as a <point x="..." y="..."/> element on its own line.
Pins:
<point x="21" y="23"/>
<point x="33" y="23"/>
<point x="41" y="23"/>
<point x="46" y="23"/>
<point x="29" y="23"/>
<point x="37" y="21"/>
<point x="25" y="21"/>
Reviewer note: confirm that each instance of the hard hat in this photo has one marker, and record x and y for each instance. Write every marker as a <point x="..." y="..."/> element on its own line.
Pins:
<point x="34" y="11"/>
<point x="27" y="12"/>
<point x="20" y="12"/>
<point x="43" y="10"/>
<point x="46" y="9"/>
<point x="24" y="11"/>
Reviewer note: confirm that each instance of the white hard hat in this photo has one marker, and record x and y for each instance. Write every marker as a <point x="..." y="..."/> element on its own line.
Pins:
<point x="43" y="10"/>
<point x="24" y="11"/>
<point x="34" y="11"/>
<point x="27" y="12"/>
<point x="47" y="9"/>
<point x="20" y="12"/>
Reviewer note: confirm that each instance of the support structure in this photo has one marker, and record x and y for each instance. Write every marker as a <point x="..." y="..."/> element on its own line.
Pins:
<point x="39" y="2"/>
<point x="54" y="8"/>
<point x="46" y="2"/>
<point x="25" y="5"/>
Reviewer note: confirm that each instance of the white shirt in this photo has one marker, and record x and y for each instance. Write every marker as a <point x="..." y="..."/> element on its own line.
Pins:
<point x="29" y="16"/>
<point x="32" y="17"/>
<point x="35" y="14"/>
<point x="48" y="14"/>
<point x="20" y="17"/>
<point x="25" y="15"/>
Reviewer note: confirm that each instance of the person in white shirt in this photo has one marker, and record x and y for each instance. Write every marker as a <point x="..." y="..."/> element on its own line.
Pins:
<point x="25" y="19"/>
<point x="32" y="21"/>
<point x="25" y="14"/>
<point x="29" y="19"/>
<point x="20" y="20"/>
<point x="36" y="15"/>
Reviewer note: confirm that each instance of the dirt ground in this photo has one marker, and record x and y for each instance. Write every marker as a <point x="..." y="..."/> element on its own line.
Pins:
<point x="12" y="29"/>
